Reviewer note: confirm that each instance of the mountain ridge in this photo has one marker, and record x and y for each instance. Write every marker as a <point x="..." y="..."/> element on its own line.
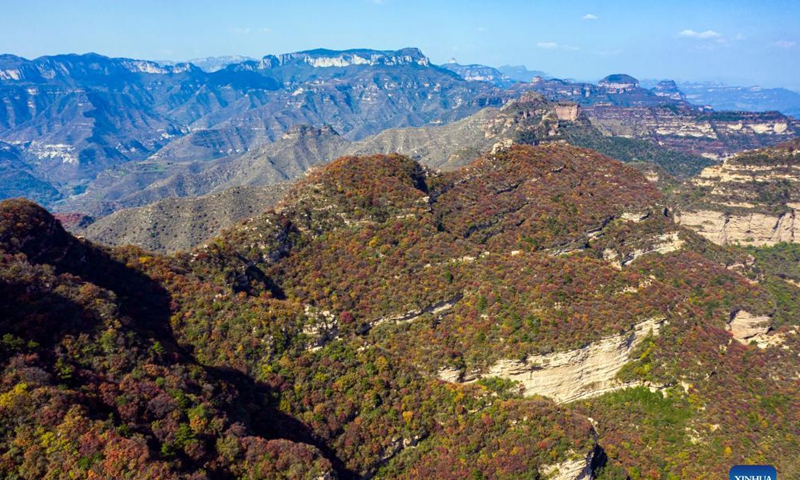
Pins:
<point x="373" y="324"/>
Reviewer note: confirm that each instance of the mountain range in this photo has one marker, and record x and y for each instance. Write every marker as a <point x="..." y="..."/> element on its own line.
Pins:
<point x="92" y="134"/>
<point x="76" y="116"/>
<point x="534" y="312"/>
<point x="755" y="99"/>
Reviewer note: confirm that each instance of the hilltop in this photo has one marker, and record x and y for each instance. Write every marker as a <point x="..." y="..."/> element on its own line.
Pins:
<point x="391" y="321"/>
<point x="86" y="133"/>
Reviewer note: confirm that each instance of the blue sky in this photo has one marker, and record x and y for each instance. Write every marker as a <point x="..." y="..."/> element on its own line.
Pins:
<point x="735" y="41"/>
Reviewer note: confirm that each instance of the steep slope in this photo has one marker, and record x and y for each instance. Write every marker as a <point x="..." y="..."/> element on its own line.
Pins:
<point x="94" y="383"/>
<point x="175" y="224"/>
<point x="121" y="364"/>
<point x="395" y="322"/>
<point x="76" y="116"/>
<point x="712" y="134"/>
<point x="552" y="266"/>
<point x="749" y="199"/>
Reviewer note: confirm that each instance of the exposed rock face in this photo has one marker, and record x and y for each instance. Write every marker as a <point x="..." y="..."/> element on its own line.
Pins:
<point x="664" y="243"/>
<point x="745" y="326"/>
<point x="619" y="83"/>
<point x="752" y="198"/>
<point x="679" y="127"/>
<point x="567" y="113"/>
<point x="322" y="58"/>
<point x="756" y="229"/>
<point x="436" y="309"/>
<point x="582" y="373"/>
<point x="577" y="469"/>
<point x="669" y="89"/>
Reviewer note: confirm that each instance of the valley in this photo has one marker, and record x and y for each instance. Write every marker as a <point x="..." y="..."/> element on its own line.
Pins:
<point x="363" y="264"/>
<point x="510" y="267"/>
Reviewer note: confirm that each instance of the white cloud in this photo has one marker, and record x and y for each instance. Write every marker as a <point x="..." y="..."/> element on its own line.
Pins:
<point x="554" y="46"/>
<point x="699" y="35"/>
<point x="785" y="44"/>
<point x="242" y="31"/>
<point x="481" y="29"/>
<point x="589" y="16"/>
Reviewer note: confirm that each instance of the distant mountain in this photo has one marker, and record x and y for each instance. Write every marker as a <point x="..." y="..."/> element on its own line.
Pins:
<point x="669" y="89"/>
<point x="91" y="134"/>
<point x="173" y="224"/>
<point x="755" y="99"/>
<point x="176" y="224"/>
<point x="536" y="313"/>
<point x="619" y="90"/>
<point x="75" y="116"/>
<point x="679" y="138"/>
<point x="521" y="73"/>
<point x="141" y="183"/>
<point x="213" y="64"/>
<point x="479" y="73"/>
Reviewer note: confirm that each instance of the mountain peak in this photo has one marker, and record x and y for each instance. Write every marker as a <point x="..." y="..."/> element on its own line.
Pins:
<point x="619" y="82"/>
<point x="27" y="228"/>
<point x="321" y="58"/>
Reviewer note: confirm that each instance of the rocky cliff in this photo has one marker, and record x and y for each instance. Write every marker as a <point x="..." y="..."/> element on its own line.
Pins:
<point x="714" y="135"/>
<point x="310" y="337"/>
<point x="750" y="199"/>
<point x="479" y="73"/>
<point x="575" y="374"/>
<point x="77" y="116"/>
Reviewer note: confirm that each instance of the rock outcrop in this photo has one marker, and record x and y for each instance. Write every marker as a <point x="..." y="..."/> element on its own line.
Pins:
<point x="754" y="228"/>
<point x="751" y="198"/>
<point x="575" y="374"/>
<point x="687" y="129"/>
<point x="664" y="243"/>
<point x="746" y="327"/>
<point x="576" y="469"/>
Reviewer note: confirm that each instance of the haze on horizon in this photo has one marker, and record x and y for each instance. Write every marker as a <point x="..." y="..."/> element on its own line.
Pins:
<point x="738" y="42"/>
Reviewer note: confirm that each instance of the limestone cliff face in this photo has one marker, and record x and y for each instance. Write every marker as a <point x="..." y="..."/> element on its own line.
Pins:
<point x="713" y="134"/>
<point x="751" y="198"/>
<point x="744" y="326"/>
<point x="745" y="228"/>
<point x="322" y="58"/>
<point x="575" y="374"/>
<point x="576" y="469"/>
